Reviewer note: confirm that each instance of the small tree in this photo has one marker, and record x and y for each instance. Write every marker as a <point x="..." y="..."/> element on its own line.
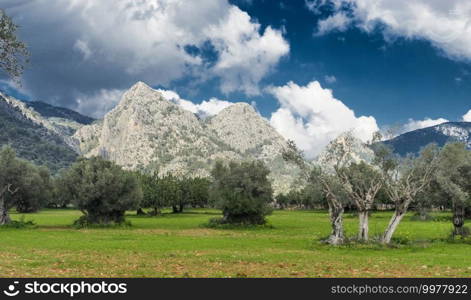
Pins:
<point x="330" y="186"/>
<point x="35" y="191"/>
<point x="199" y="191"/>
<point x="243" y="192"/>
<point x="13" y="53"/>
<point x="10" y="176"/>
<point x="404" y="179"/>
<point x="453" y="179"/>
<point x="102" y="190"/>
<point x="170" y="192"/>
<point x="22" y="185"/>
<point x="151" y="193"/>
<point x="361" y="181"/>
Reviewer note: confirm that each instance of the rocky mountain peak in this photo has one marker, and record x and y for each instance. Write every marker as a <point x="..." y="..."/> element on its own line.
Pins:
<point x="147" y="132"/>
<point x="139" y="94"/>
<point x="240" y="108"/>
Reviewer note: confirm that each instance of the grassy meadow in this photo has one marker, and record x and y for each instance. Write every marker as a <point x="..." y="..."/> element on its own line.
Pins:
<point x="179" y="245"/>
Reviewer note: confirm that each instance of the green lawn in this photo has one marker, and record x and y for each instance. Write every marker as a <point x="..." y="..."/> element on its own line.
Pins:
<point x="180" y="246"/>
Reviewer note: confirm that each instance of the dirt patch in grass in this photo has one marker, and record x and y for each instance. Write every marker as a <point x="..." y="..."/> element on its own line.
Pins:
<point x="194" y="232"/>
<point x="195" y="264"/>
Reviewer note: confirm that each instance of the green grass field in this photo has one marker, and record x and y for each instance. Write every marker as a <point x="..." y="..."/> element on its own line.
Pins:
<point x="175" y="245"/>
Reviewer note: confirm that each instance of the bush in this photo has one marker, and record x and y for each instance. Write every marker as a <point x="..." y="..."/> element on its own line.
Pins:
<point x="102" y="190"/>
<point x="242" y="191"/>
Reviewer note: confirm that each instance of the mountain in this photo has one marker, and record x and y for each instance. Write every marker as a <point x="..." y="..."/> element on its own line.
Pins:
<point x="414" y="141"/>
<point x="54" y="112"/>
<point x="40" y="140"/>
<point x="147" y="132"/>
<point x="359" y="151"/>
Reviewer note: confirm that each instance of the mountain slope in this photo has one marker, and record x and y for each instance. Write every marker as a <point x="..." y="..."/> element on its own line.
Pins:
<point x="49" y="111"/>
<point x="414" y="141"/>
<point x="28" y="133"/>
<point x="147" y="132"/>
<point x="243" y="129"/>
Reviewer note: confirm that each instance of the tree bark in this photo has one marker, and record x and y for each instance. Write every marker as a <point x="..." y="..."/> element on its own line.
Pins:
<point x="458" y="220"/>
<point x="393" y="223"/>
<point x="363" y="228"/>
<point x="4" y="217"/>
<point x="337" y="236"/>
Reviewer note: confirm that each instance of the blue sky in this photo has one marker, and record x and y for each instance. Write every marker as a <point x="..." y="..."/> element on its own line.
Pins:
<point x="313" y="68"/>
<point x="393" y="81"/>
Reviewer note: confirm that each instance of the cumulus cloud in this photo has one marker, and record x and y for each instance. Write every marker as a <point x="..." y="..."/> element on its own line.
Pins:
<point x="245" y="55"/>
<point x="446" y="24"/>
<point x="312" y="117"/>
<point x="111" y="44"/>
<point x="467" y="116"/>
<point x="419" y="124"/>
<point x="205" y="109"/>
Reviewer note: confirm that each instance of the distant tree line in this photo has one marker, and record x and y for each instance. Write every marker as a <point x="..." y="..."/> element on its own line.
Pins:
<point x="104" y="192"/>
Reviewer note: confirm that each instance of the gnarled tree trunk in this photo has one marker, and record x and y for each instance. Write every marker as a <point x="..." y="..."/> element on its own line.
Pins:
<point x="4" y="217"/>
<point x="337" y="236"/>
<point x="363" y="226"/>
<point x="401" y="209"/>
<point x="458" y="220"/>
<point x="392" y="226"/>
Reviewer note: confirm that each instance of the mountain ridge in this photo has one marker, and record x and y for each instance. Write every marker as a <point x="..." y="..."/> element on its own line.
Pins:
<point x="33" y="137"/>
<point x="413" y="141"/>
<point x="146" y="131"/>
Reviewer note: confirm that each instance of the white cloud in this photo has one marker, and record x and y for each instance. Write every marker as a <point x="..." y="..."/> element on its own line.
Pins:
<point x="467" y="116"/>
<point x="446" y="24"/>
<point x="338" y="21"/>
<point x="205" y="109"/>
<point x="312" y="117"/>
<point x="246" y="56"/>
<point x="83" y="48"/>
<point x="100" y="103"/>
<point x="119" y="42"/>
<point x="419" y="124"/>
<point x="330" y="79"/>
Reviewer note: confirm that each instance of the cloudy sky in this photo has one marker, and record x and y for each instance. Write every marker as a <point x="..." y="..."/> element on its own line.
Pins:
<point x="313" y="68"/>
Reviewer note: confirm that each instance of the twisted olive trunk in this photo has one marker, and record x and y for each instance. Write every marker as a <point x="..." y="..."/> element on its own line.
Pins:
<point x="337" y="236"/>
<point x="392" y="226"/>
<point x="458" y="220"/>
<point x="4" y="217"/>
<point x="399" y="213"/>
<point x="363" y="226"/>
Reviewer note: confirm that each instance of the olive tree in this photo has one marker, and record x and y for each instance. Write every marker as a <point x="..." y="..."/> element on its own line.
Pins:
<point x="13" y="53"/>
<point x="102" y="190"/>
<point x="454" y="181"/>
<point x="360" y="180"/>
<point x="36" y="189"/>
<point x="404" y="179"/>
<point x="22" y="185"/>
<point x="330" y="186"/>
<point x="10" y="175"/>
<point x="243" y="191"/>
